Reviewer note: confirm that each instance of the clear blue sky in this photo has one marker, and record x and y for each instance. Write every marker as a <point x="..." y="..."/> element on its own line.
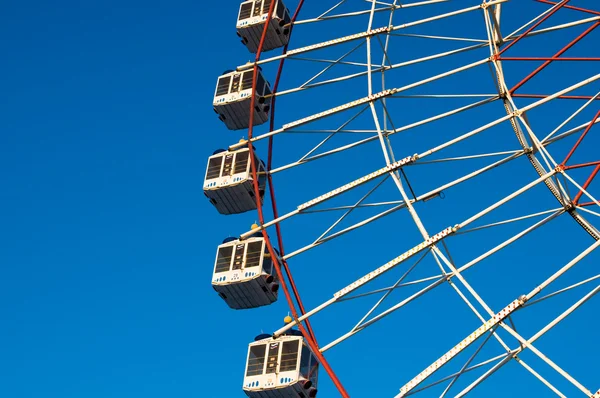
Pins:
<point x="107" y="242"/>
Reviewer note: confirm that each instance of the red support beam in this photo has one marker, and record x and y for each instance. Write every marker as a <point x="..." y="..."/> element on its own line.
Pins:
<point x="532" y="27"/>
<point x="549" y="58"/>
<point x="587" y="183"/>
<point x="570" y="7"/>
<point x="581" y="165"/>
<point x="581" y="137"/>
<point x="558" y="54"/>
<point x="577" y="97"/>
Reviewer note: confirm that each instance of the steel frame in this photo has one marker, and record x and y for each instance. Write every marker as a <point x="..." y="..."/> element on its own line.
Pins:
<point x="548" y="171"/>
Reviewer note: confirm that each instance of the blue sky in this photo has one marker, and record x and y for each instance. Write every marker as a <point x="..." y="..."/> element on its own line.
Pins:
<point x="107" y="241"/>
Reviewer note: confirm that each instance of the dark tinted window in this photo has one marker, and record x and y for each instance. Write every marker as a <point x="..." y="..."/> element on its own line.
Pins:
<point x="223" y="259"/>
<point x="214" y="168"/>
<point x="289" y="356"/>
<point x="227" y="165"/>
<point x="313" y="374"/>
<point x="241" y="162"/>
<point x="256" y="360"/>
<point x="259" y="164"/>
<point x="253" y="254"/>
<point x="257" y="8"/>
<point x="266" y="5"/>
<point x="223" y="85"/>
<point x="238" y="257"/>
<point x="305" y="361"/>
<point x="272" y="358"/>
<point x="247" y="80"/>
<point x="260" y="84"/>
<point x="267" y="265"/>
<point x="235" y="84"/>
<point x="280" y="10"/>
<point x="245" y="11"/>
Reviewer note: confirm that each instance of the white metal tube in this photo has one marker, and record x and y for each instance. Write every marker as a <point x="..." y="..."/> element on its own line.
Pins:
<point x="564" y="269"/>
<point x="383" y="314"/>
<point x="506" y="199"/>
<point x="435" y="383"/>
<point x="305" y="316"/>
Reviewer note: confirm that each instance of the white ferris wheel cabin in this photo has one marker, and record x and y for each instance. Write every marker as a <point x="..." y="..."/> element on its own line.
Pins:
<point x="282" y="367"/>
<point x="251" y="21"/>
<point x="233" y="96"/>
<point x="243" y="274"/>
<point x="228" y="182"/>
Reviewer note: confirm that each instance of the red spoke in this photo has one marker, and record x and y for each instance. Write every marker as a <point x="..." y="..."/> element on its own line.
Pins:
<point x="549" y="59"/>
<point x="587" y="183"/>
<point x="571" y="7"/>
<point x="581" y="165"/>
<point x="558" y="54"/>
<point x="578" y="97"/>
<point x="572" y="151"/>
<point x="535" y="25"/>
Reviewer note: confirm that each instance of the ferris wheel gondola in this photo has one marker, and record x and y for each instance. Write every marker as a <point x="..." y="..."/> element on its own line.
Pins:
<point x="233" y="96"/>
<point x="243" y="274"/>
<point x="252" y="18"/>
<point x="228" y="181"/>
<point x="281" y="367"/>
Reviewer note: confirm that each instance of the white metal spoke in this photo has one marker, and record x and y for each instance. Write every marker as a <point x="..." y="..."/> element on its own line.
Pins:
<point x="497" y="320"/>
<point x="383" y="314"/>
<point x="374" y="68"/>
<point x="566" y="134"/>
<point x="401" y="204"/>
<point x="394" y="287"/>
<point x="509" y="241"/>
<point x="515" y="219"/>
<point x="466" y="365"/>
<point x="540" y="377"/>
<point x="439" y="37"/>
<point x="388" y="133"/>
<point x="573" y="286"/>
<point x="368" y="33"/>
<point x="350" y="210"/>
<point x="582" y="208"/>
<point x="339" y="208"/>
<point x="389" y="291"/>
<point x="331" y="135"/>
<point x="567" y="120"/>
<point x="331" y="62"/>
<point x="528" y="343"/>
<point x="477" y="366"/>
<point x="325" y="17"/>
<point x="531" y="22"/>
<point x="427" y="243"/>
<point x="585" y="192"/>
<point x="486" y="327"/>
<point x="467" y="157"/>
<point x="338" y="61"/>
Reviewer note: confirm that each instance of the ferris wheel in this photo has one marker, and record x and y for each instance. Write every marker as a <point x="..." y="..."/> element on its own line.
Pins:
<point x="435" y="217"/>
